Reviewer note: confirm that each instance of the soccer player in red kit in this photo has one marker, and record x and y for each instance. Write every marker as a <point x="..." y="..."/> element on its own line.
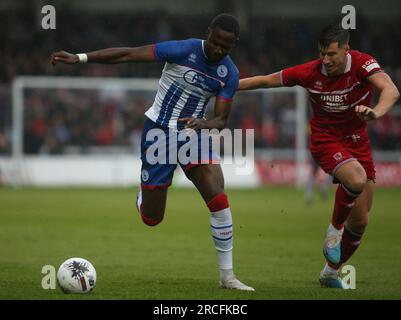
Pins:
<point x="340" y="86"/>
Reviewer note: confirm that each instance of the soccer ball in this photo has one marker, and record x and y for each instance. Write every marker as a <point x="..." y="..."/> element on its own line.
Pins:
<point x="76" y="275"/>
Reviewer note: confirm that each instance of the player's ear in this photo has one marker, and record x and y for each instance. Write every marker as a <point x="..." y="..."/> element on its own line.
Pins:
<point x="209" y="31"/>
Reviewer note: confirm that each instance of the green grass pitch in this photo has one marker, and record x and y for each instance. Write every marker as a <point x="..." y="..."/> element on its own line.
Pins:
<point x="277" y="245"/>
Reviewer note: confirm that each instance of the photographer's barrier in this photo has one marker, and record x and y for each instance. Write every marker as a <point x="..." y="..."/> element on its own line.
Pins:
<point x="96" y="170"/>
<point x="281" y="172"/>
<point x="124" y="170"/>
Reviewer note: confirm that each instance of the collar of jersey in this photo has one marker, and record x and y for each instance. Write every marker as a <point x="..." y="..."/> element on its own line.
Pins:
<point x="204" y="54"/>
<point x="347" y="67"/>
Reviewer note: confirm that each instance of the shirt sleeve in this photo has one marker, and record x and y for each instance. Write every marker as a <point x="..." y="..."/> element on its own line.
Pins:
<point x="170" y="50"/>
<point x="368" y="66"/>
<point x="294" y="76"/>
<point x="228" y="91"/>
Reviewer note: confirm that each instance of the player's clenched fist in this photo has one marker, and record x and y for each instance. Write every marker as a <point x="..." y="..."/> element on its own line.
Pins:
<point x="365" y="113"/>
<point x="64" y="57"/>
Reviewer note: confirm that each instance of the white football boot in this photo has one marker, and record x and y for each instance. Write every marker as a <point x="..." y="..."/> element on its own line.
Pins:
<point x="231" y="282"/>
<point x="330" y="278"/>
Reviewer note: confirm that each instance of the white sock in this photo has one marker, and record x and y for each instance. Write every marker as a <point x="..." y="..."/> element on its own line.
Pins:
<point x="139" y="199"/>
<point x="226" y="273"/>
<point x="334" y="229"/>
<point x="329" y="270"/>
<point x="222" y="231"/>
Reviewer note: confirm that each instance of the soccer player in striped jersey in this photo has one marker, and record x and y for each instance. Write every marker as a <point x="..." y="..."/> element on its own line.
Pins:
<point x="340" y="86"/>
<point x="195" y="70"/>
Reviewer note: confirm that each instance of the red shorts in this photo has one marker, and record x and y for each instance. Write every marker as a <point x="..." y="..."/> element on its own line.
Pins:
<point x="330" y="153"/>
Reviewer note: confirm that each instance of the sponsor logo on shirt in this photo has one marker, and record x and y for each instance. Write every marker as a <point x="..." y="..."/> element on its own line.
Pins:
<point x="334" y="102"/>
<point x="318" y="85"/>
<point x="192" y="57"/>
<point x="197" y="79"/>
<point x="334" y="98"/>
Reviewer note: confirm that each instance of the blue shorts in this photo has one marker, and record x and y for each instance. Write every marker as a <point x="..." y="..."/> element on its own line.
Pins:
<point x="162" y="149"/>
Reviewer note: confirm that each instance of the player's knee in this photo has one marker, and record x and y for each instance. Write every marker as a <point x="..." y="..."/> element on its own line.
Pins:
<point x="358" y="182"/>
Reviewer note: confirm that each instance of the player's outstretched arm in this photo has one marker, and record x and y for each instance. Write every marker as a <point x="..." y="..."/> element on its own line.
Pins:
<point x="389" y="95"/>
<point x="268" y="81"/>
<point x="107" y="56"/>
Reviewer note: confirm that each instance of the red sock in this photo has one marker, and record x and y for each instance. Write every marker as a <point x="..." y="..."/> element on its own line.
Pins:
<point x="150" y="222"/>
<point x="344" y="202"/>
<point x="219" y="202"/>
<point x="349" y="243"/>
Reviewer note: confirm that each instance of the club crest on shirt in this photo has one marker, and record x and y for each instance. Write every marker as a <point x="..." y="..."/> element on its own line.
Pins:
<point x="222" y="71"/>
<point x="338" y="156"/>
<point x="145" y="175"/>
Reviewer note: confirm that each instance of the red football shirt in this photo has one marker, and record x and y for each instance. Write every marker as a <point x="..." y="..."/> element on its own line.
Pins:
<point x="333" y="99"/>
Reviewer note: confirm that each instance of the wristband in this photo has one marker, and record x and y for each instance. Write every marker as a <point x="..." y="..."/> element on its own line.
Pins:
<point x="82" y="57"/>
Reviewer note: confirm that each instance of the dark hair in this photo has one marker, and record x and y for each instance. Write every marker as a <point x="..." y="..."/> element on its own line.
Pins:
<point x="333" y="33"/>
<point x="227" y="22"/>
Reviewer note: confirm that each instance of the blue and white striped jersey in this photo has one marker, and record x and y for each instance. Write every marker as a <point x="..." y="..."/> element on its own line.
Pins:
<point x="188" y="81"/>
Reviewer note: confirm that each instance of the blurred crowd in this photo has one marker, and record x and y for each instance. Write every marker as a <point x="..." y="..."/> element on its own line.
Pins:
<point x="57" y="121"/>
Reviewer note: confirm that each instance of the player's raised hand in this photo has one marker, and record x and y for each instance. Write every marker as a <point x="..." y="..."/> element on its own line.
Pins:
<point x="365" y="113"/>
<point x="63" y="57"/>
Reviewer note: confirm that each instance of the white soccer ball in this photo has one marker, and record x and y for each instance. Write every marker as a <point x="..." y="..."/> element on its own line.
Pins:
<point x="76" y="275"/>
